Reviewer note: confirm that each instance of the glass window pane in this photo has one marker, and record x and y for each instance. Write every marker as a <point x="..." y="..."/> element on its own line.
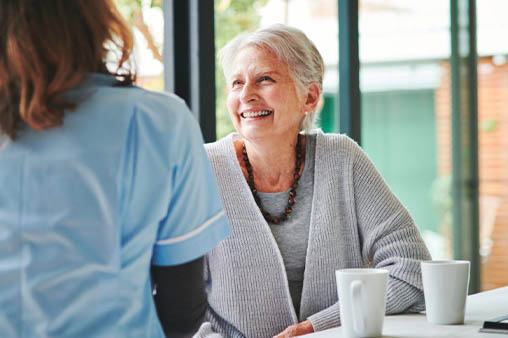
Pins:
<point x="404" y="79"/>
<point x="493" y="140"/>
<point x="147" y="23"/>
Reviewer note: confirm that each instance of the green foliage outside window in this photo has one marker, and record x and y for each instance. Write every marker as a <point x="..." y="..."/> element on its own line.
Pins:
<point x="132" y="12"/>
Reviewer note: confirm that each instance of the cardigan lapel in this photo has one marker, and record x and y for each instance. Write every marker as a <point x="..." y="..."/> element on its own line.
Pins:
<point x="260" y="224"/>
<point x="255" y="227"/>
<point x="328" y="248"/>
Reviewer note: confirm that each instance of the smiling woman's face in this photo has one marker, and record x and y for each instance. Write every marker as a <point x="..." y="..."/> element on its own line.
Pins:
<point x="263" y="100"/>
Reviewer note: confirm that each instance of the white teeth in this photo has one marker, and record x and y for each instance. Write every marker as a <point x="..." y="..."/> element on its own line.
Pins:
<point x="256" y="113"/>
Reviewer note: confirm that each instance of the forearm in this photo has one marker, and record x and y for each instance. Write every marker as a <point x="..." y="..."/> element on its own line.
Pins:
<point x="327" y="318"/>
<point x="403" y="297"/>
<point x="390" y="238"/>
<point x="180" y="297"/>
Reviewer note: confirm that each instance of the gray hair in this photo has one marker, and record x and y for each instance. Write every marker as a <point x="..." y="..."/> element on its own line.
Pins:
<point x="292" y="47"/>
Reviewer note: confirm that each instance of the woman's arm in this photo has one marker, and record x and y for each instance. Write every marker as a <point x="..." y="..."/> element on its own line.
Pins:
<point x="180" y="297"/>
<point x="389" y="239"/>
<point x="389" y="236"/>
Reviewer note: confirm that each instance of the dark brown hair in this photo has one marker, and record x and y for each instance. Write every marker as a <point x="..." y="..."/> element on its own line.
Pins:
<point x="48" y="47"/>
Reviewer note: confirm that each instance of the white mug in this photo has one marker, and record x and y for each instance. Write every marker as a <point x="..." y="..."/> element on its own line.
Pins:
<point x="362" y="300"/>
<point x="445" y="285"/>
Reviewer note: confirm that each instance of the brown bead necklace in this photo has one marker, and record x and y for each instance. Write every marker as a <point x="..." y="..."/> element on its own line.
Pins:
<point x="292" y="193"/>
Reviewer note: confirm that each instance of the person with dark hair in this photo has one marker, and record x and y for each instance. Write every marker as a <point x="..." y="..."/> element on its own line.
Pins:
<point x="107" y="199"/>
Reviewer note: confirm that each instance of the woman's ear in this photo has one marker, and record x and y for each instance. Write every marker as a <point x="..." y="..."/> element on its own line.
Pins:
<point x="313" y="94"/>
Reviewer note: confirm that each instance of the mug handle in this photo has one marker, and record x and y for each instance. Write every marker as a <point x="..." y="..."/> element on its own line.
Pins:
<point x="356" y="296"/>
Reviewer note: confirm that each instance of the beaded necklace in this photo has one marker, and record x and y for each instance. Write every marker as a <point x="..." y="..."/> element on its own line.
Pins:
<point x="292" y="192"/>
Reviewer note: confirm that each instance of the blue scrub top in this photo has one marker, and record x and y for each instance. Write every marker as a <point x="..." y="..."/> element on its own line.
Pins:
<point x="87" y="207"/>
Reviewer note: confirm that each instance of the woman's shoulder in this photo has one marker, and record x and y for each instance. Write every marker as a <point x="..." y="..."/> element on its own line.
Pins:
<point x="221" y="147"/>
<point x="335" y="141"/>
<point x="103" y="92"/>
<point x="222" y="153"/>
<point x="106" y="85"/>
<point x="163" y="111"/>
<point x="168" y="103"/>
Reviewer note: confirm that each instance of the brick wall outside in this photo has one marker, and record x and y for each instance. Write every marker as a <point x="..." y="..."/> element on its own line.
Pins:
<point x="493" y="163"/>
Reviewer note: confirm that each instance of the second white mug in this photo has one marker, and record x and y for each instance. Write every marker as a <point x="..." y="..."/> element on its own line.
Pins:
<point x="362" y="300"/>
<point x="445" y="285"/>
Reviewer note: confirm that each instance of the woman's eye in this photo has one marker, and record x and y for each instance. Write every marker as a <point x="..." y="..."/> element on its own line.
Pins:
<point x="236" y="83"/>
<point x="265" y="78"/>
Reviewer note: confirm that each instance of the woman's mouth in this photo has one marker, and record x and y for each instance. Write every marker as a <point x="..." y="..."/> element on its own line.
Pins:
<point x="258" y="113"/>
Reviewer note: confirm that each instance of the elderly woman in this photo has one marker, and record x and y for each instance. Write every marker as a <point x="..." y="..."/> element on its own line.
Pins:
<point x="301" y="204"/>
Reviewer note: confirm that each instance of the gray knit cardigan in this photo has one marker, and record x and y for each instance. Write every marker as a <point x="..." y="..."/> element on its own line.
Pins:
<point x="356" y="221"/>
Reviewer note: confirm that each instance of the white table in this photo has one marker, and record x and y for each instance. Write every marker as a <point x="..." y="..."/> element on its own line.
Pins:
<point x="479" y="307"/>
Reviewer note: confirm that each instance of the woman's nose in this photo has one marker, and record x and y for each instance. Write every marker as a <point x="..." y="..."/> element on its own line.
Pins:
<point x="248" y="93"/>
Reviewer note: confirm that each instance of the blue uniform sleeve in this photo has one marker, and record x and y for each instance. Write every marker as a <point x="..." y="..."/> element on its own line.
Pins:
<point x="195" y="221"/>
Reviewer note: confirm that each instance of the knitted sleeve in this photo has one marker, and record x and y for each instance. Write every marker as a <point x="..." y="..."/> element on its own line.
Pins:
<point x="215" y="326"/>
<point x="389" y="239"/>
